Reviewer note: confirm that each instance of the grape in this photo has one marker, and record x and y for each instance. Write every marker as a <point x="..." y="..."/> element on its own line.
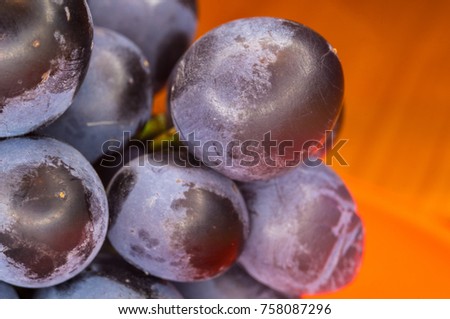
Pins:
<point x="45" y="48"/>
<point x="306" y="237"/>
<point x="177" y="223"/>
<point x="251" y="77"/>
<point x="162" y="29"/>
<point x="235" y="283"/>
<point x="53" y="212"/>
<point x="7" y="292"/>
<point x="111" y="278"/>
<point x="115" y="98"/>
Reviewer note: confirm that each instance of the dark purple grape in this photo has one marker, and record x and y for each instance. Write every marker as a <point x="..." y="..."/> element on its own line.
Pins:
<point x="111" y="278"/>
<point x="235" y="283"/>
<point x="162" y="29"/>
<point x="113" y="102"/>
<point x="53" y="212"/>
<point x="45" y="48"/>
<point x="7" y="291"/>
<point x="180" y="223"/>
<point x="306" y="237"/>
<point x="251" y="77"/>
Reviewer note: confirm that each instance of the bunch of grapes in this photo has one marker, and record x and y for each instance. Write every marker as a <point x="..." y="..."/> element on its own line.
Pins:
<point x="236" y="204"/>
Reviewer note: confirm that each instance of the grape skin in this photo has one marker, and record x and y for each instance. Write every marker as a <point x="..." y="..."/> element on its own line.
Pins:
<point x="110" y="278"/>
<point x="53" y="212"/>
<point x="116" y="97"/>
<point x="176" y="223"/>
<point x="306" y="237"/>
<point x="45" y="49"/>
<point x="162" y="29"/>
<point x="250" y="77"/>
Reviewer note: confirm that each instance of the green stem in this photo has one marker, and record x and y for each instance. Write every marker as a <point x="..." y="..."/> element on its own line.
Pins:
<point x="154" y="127"/>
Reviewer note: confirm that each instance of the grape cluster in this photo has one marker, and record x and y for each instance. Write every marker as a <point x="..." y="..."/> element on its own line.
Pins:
<point x="98" y="200"/>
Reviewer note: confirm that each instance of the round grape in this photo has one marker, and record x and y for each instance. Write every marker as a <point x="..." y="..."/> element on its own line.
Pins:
<point x="251" y="83"/>
<point x="181" y="223"/>
<point x="53" y="212"/>
<point x="45" y="48"/>
<point x="162" y="29"/>
<point x="114" y="101"/>
<point x="306" y="237"/>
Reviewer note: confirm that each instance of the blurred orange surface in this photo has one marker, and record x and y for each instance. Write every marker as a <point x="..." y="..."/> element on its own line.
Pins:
<point x="395" y="56"/>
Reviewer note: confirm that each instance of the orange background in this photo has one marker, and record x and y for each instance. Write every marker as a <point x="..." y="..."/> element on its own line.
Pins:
<point x="395" y="56"/>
